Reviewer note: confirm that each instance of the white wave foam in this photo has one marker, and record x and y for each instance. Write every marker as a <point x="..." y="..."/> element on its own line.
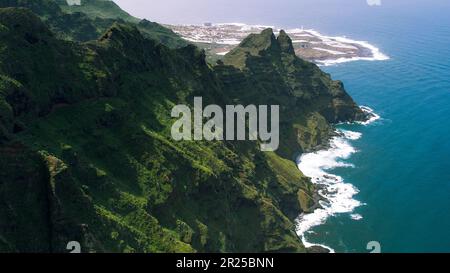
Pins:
<point x="372" y="115"/>
<point x="338" y="195"/>
<point x="351" y="135"/>
<point x="342" y="41"/>
<point x="356" y="216"/>
<point x="377" y="55"/>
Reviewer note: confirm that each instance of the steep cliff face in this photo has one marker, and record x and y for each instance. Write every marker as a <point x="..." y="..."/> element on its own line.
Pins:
<point x="264" y="69"/>
<point x="264" y="56"/>
<point x="86" y="150"/>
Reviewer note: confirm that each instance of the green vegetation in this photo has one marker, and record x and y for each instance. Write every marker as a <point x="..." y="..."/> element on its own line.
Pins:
<point x="85" y="146"/>
<point x="105" y="9"/>
<point x="90" y="20"/>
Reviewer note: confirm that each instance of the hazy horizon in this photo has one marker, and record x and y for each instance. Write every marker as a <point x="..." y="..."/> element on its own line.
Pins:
<point x="269" y="12"/>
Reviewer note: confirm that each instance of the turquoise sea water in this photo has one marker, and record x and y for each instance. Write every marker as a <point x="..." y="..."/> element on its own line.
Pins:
<point x="402" y="168"/>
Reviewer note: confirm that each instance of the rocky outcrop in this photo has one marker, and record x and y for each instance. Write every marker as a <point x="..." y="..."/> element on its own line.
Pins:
<point x="264" y="69"/>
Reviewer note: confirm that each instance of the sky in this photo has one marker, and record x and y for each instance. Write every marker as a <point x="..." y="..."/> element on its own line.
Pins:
<point x="268" y="12"/>
<point x="200" y="11"/>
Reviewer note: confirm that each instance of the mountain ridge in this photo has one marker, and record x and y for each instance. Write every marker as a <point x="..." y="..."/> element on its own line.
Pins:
<point x="88" y="21"/>
<point x="85" y="141"/>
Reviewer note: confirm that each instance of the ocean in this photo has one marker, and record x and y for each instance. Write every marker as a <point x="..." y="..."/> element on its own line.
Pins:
<point x="394" y="172"/>
<point x="388" y="181"/>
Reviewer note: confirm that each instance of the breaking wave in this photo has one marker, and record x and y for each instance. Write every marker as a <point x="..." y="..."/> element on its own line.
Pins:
<point x="338" y="196"/>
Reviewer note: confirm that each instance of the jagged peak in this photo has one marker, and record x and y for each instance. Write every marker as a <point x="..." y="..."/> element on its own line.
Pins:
<point x="262" y="44"/>
<point x="268" y="32"/>
<point x="285" y="43"/>
<point x="258" y="42"/>
<point x="121" y="32"/>
<point x="253" y="45"/>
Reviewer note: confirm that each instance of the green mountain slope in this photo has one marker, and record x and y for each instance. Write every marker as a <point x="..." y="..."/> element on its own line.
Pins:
<point x="91" y="19"/>
<point x="105" y="9"/>
<point x="86" y="153"/>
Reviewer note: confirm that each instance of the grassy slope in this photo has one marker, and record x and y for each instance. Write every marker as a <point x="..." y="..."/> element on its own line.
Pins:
<point x="90" y="20"/>
<point x="108" y="10"/>
<point x="105" y="9"/>
<point x="85" y="130"/>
